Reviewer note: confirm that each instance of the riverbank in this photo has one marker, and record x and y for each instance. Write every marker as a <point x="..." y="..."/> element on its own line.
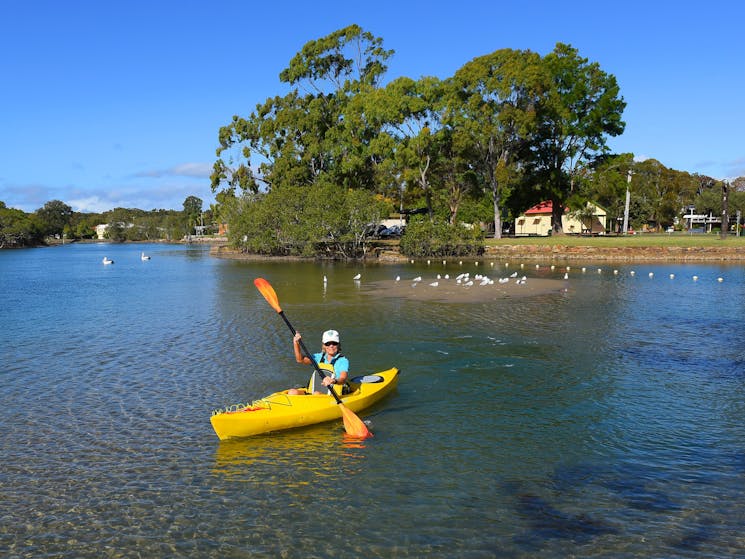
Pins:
<point x="611" y="249"/>
<point x="616" y="254"/>
<point x="193" y="239"/>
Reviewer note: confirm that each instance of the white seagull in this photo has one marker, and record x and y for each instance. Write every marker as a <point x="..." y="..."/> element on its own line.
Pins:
<point x="106" y="261"/>
<point x="143" y="256"/>
<point x="357" y="277"/>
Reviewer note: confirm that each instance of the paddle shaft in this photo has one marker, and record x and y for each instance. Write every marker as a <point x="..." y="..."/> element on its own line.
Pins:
<point x="308" y="354"/>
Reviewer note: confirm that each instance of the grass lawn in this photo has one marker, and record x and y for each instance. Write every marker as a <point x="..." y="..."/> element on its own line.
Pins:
<point x="677" y="239"/>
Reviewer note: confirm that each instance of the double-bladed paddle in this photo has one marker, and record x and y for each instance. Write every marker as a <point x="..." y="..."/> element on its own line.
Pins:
<point x="353" y="425"/>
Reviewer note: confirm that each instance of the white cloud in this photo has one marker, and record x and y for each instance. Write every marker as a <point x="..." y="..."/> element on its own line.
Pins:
<point x="91" y="204"/>
<point x="193" y="170"/>
<point x="200" y="170"/>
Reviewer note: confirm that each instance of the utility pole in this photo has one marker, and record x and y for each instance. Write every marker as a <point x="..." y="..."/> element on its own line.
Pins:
<point x="626" y="208"/>
<point x="725" y="211"/>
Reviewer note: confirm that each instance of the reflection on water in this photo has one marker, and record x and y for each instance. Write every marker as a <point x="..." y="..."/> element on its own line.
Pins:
<point x="299" y="457"/>
<point x="603" y="418"/>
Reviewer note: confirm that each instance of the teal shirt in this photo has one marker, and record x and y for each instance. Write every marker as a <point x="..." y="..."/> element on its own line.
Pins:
<point x="340" y="363"/>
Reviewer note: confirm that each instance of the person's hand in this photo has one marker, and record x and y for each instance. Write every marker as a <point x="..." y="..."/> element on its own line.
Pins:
<point x="327" y="381"/>
<point x="297" y="337"/>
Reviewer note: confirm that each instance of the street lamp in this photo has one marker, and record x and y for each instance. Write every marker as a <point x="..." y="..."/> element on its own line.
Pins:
<point x="626" y="207"/>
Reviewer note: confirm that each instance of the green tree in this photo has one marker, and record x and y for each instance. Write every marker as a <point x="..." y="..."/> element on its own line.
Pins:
<point x="17" y="228"/>
<point x="663" y="191"/>
<point x="579" y="107"/>
<point x="455" y="180"/>
<point x="607" y="186"/>
<point x="118" y="221"/>
<point x="53" y="217"/>
<point x="314" y="134"/>
<point x="409" y="114"/>
<point x="493" y="106"/>
<point x="84" y="230"/>
<point x="709" y="202"/>
<point x="328" y="220"/>
<point x="437" y="238"/>
<point x="192" y="211"/>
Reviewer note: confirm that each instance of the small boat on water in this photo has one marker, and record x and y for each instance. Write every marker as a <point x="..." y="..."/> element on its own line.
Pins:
<point x="143" y="256"/>
<point x="280" y="410"/>
<point x="106" y="261"/>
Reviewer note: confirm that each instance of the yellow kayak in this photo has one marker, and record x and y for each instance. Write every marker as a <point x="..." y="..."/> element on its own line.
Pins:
<point x="282" y="411"/>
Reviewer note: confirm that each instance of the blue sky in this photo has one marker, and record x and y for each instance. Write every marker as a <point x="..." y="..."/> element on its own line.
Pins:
<point x="118" y="103"/>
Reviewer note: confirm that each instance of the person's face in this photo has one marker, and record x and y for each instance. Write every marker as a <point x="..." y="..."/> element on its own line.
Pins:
<point x="331" y="347"/>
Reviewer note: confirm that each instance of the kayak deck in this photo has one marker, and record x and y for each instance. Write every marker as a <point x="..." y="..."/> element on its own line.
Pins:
<point x="280" y="410"/>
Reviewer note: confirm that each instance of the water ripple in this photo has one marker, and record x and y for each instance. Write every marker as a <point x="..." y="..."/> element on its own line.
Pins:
<point x="597" y="421"/>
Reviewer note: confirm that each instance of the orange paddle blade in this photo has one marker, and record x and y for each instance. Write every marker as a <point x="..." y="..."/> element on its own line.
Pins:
<point x="268" y="292"/>
<point x="353" y="425"/>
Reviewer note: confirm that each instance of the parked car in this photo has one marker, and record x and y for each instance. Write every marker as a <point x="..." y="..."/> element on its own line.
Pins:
<point x="372" y="230"/>
<point x="392" y="232"/>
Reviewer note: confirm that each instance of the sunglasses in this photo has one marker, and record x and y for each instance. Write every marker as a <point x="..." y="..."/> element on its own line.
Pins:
<point x="331" y="343"/>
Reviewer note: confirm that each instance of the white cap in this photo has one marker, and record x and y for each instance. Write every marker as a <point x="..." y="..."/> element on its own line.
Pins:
<point x="330" y="336"/>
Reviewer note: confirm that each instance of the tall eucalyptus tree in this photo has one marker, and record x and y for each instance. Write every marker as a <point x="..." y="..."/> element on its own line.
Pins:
<point x="492" y="113"/>
<point x="314" y="129"/>
<point x="579" y="107"/>
<point x="408" y="113"/>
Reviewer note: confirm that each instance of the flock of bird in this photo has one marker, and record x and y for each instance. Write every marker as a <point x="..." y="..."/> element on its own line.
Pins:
<point x="466" y="280"/>
<point x="107" y="261"/>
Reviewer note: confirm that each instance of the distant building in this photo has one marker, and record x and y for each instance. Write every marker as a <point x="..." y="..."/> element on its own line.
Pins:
<point x="704" y="222"/>
<point x="536" y="221"/>
<point x="103" y="227"/>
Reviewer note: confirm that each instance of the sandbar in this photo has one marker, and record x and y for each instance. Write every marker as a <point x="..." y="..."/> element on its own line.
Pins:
<point x="449" y="290"/>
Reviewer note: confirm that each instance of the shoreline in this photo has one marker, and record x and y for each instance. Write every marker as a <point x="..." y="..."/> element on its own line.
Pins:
<point x="390" y="255"/>
<point x="618" y="254"/>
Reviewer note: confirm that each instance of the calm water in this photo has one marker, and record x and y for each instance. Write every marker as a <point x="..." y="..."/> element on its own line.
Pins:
<point x="604" y="421"/>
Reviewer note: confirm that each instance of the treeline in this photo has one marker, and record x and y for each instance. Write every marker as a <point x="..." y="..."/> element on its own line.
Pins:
<point x="307" y="171"/>
<point x="659" y="196"/>
<point x="57" y="220"/>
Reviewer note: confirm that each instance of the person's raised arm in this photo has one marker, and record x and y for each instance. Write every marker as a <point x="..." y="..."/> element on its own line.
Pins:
<point x="299" y="357"/>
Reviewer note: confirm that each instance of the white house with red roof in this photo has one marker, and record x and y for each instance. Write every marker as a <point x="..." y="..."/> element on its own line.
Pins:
<point x="536" y="221"/>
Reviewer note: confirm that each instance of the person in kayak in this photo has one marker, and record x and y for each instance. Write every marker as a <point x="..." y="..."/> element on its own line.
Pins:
<point x="330" y="359"/>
